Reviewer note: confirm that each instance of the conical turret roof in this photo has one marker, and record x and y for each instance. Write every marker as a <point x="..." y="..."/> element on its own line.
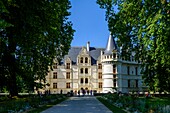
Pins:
<point x="111" y="45"/>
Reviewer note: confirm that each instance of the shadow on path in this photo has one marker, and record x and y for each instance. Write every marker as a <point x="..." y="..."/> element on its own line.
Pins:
<point x="86" y="104"/>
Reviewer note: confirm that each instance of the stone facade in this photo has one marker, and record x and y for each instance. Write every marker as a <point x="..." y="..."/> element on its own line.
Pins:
<point x="97" y="69"/>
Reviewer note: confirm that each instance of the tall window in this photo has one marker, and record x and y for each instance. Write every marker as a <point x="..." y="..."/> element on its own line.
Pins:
<point x="67" y="75"/>
<point x="128" y="70"/>
<point x="67" y="85"/>
<point x="114" y="68"/>
<point x="81" y="80"/>
<point x="99" y="66"/>
<point x="114" y="83"/>
<point x="81" y="60"/>
<point x="86" y="70"/>
<point x="114" y="55"/>
<point x="55" y="66"/>
<point x="86" y="60"/>
<point x="100" y="75"/>
<point x="100" y="85"/>
<point x="54" y="75"/>
<point x="128" y="83"/>
<point x="68" y="66"/>
<point x="81" y="70"/>
<point x="136" y="70"/>
<point x="55" y="85"/>
<point x="86" y="80"/>
<point x="136" y="83"/>
<point x="114" y="80"/>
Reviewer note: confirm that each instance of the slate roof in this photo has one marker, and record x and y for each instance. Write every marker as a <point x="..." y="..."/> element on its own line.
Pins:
<point x="74" y="52"/>
<point x="111" y="45"/>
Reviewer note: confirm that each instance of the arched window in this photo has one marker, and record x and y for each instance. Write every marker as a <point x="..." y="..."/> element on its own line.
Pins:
<point x="81" y="80"/>
<point x="81" y="70"/>
<point x="86" y="80"/>
<point x="86" y="70"/>
<point x="81" y="60"/>
<point x="86" y="60"/>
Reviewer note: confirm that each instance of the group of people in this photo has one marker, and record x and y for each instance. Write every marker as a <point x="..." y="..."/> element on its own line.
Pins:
<point x="83" y="92"/>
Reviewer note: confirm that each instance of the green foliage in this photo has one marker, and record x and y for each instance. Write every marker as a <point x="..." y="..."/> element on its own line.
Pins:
<point x="32" y="34"/>
<point x="143" y="27"/>
<point x="142" y="104"/>
<point x="113" y="108"/>
<point x="26" y="103"/>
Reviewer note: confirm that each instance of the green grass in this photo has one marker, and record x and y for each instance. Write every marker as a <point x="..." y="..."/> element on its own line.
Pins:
<point x="113" y="108"/>
<point x="44" y="107"/>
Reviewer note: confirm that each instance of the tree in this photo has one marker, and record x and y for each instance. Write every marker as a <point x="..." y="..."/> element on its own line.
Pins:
<point x="143" y="26"/>
<point x="32" y="34"/>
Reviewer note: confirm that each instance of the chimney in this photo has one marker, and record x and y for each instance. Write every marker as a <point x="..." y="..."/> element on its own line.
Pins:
<point x="88" y="46"/>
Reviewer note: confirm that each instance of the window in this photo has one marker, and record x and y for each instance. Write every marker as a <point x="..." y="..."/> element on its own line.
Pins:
<point x="136" y="70"/>
<point x="81" y="70"/>
<point x="86" y="80"/>
<point x="132" y="58"/>
<point x="81" y="81"/>
<point x="100" y="84"/>
<point x="128" y="70"/>
<point x="114" y="83"/>
<point x="55" y="66"/>
<point x="55" y="85"/>
<point x="86" y="70"/>
<point x="100" y="75"/>
<point x="86" y="60"/>
<point x="114" y="55"/>
<point x="114" y="76"/>
<point x="114" y="80"/>
<point x="67" y="75"/>
<point x="128" y="83"/>
<point x="136" y="83"/>
<point x="68" y="66"/>
<point x="81" y="60"/>
<point x="114" y="68"/>
<point x="99" y="66"/>
<point x="54" y="75"/>
<point x="67" y="85"/>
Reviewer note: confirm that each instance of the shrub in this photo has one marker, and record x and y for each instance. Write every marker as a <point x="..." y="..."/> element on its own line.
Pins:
<point x="21" y="104"/>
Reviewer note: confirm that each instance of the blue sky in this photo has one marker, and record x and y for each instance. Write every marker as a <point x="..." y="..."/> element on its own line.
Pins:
<point x="89" y="22"/>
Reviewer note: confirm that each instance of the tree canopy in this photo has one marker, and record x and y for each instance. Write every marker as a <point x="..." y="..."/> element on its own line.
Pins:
<point x="32" y="34"/>
<point x="143" y="26"/>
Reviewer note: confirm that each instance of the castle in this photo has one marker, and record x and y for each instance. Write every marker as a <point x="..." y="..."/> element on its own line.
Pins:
<point x="98" y="69"/>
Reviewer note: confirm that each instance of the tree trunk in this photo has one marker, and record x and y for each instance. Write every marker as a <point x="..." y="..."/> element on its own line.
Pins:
<point x="12" y="84"/>
<point x="12" y="65"/>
